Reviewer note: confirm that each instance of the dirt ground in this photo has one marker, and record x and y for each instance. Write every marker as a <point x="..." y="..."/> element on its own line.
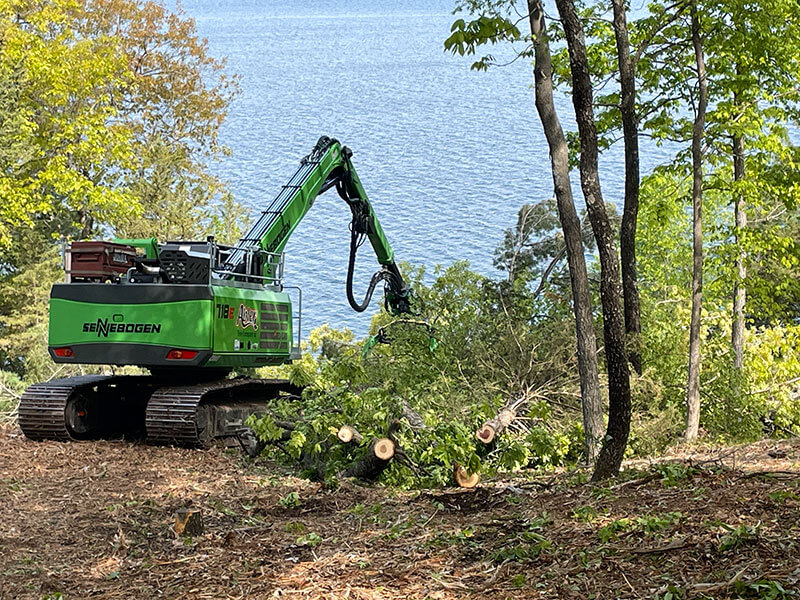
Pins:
<point x="94" y="520"/>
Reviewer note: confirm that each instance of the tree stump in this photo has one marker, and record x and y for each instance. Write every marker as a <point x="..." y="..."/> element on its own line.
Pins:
<point x="188" y="522"/>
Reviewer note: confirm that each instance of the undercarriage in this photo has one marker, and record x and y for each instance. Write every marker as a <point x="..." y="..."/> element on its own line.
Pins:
<point x="154" y="408"/>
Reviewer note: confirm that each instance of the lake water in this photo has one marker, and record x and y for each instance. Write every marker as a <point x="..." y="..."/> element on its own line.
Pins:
<point x="447" y="155"/>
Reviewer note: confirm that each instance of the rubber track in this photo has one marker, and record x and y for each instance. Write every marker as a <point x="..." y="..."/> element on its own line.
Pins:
<point x="41" y="408"/>
<point x="171" y="411"/>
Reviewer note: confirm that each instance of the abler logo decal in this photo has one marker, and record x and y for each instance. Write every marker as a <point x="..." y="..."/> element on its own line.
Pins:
<point x="247" y="317"/>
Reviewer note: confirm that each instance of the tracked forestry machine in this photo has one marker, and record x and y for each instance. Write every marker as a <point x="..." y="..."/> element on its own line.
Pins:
<point x="190" y="312"/>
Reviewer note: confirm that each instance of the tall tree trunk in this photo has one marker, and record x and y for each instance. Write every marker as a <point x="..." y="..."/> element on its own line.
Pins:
<point x="570" y="223"/>
<point x="627" y="235"/>
<point x="739" y="291"/>
<point x="693" y="384"/>
<point x="619" y="392"/>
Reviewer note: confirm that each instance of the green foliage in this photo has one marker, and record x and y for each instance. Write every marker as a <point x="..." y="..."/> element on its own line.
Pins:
<point x="290" y="500"/>
<point x="489" y="27"/>
<point x="610" y="532"/>
<point x="265" y="428"/>
<point x="66" y="147"/>
<point x="784" y="496"/>
<point x="459" y="537"/>
<point x="11" y="388"/>
<point x="527" y="544"/>
<point x="646" y="525"/>
<point x="656" y="523"/>
<point x="735" y="404"/>
<point x="488" y="353"/>
<point x="737" y="537"/>
<point x="124" y="143"/>
<point x="675" y="473"/>
<point x="763" y="589"/>
<point x="533" y="546"/>
<point x="586" y="514"/>
<point x="673" y="593"/>
<point x="24" y="299"/>
<point x="295" y="527"/>
<point x="311" y="539"/>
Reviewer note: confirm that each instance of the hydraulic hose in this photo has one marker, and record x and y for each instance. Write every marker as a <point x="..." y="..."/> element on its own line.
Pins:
<point x="376" y="278"/>
<point x="396" y="292"/>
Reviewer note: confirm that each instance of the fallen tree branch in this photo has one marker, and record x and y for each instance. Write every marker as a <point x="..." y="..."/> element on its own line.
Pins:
<point x="253" y="444"/>
<point x="773" y="386"/>
<point x="706" y="588"/>
<point x="784" y="475"/>
<point x="347" y="434"/>
<point x="637" y="482"/>
<point x="677" y="544"/>
<point x="500" y="422"/>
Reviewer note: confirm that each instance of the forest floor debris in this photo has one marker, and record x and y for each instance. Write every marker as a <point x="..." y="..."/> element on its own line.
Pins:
<point x="94" y="520"/>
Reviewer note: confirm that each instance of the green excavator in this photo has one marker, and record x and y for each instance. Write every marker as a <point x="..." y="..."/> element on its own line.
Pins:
<point x="190" y="312"/>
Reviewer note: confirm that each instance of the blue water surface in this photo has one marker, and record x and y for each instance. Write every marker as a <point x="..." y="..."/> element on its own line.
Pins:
<point x="446" y="154"/>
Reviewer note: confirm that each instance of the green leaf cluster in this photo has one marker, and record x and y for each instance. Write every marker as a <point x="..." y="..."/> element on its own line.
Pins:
<point x="488" y="352"/>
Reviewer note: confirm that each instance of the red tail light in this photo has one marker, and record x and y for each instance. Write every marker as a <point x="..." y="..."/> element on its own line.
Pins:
<point x="64" y="352"/>
<point x="176" y="354"/>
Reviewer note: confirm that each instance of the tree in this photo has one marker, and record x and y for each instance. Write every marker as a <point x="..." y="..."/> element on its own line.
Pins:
<point x="627" y="235"/>
<point x="698" y="129"/>
<point x="672" y="47"/>
<point x="146" y="107"/>
<point x="122" y="148"/>
<point x="751" y="56"/>
<point x="753" y="83"/>
<point x="466" y="38"/>
<point x="66" y="154"/>
<point x="559" y="162"/>
<point x="619" y="393"/>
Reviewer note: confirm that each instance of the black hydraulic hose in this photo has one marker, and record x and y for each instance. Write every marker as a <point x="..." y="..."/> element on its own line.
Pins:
<point x="377" y="277"/>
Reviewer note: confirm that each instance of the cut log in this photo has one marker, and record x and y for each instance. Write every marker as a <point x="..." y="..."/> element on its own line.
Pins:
<point x="378" y="456"/>
<point x="188" y="522"/>
<point x="383" y="448"/>
<point x="494" y="427"/>
<point x="463" y="478"/>
<point x="349" y="434"/>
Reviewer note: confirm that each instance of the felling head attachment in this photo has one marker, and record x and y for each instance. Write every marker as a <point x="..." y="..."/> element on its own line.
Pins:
<point x="382" y="336"/>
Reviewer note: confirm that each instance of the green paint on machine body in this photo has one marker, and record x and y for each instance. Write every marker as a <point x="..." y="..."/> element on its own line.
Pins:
<point x="185" y="305"/>
<point x="228" y="326"/>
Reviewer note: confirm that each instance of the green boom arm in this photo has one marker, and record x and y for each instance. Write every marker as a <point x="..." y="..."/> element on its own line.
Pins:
<point x="328" y="166"/>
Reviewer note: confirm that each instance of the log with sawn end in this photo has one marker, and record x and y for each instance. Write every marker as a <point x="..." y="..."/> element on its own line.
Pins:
<point x="378" y="456"/>
<point x="464" y="478"/>
<point x="347" y="434"/>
